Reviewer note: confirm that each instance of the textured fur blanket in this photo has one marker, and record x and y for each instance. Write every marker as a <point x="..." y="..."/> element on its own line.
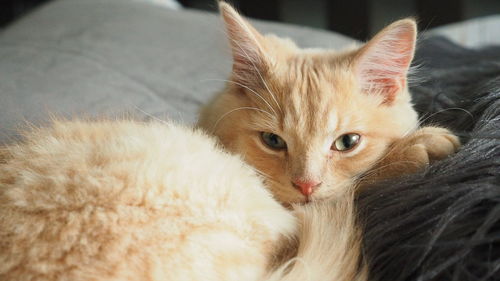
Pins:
<point x="444" y="223"/>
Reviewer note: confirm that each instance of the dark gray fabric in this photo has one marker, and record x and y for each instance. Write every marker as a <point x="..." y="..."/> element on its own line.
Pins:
<point x="95" y="57"/>
<point x="444" y="223"/>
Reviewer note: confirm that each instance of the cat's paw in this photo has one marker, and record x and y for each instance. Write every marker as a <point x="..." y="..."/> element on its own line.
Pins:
<point x="412" y="154"/>
<point x="428" y="144"/>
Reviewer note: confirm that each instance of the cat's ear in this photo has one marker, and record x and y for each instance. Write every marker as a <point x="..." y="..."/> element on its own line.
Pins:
<point x="246" y="43"/>
<point x="382" y="64"/>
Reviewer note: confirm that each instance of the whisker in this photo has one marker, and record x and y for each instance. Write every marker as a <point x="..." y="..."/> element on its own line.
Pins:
<point x="261" y="124"/>
<point x="246" y="87"/>
<point x="236" y="109"/>
<point x="260" y="75"/>
<point x="443" y="110"/>
<point x="390" y="151"/>
<point x="262" y="173"/>
<point x="343" y="185"/>
<point x="374" y="171"/>
<point x="411" y="130"/>
<point x="387" y="153"/>
<point x="150" y="115"/>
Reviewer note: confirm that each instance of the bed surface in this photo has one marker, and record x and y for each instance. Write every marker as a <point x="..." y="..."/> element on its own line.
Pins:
<point x="110" y="57"/>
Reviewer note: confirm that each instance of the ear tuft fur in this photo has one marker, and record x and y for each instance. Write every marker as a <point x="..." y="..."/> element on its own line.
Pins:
<point x="382" y="64"/>
<point x="245" y="41"/>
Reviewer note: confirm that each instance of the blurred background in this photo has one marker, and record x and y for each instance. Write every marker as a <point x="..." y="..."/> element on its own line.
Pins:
<point x="355" y="18"/>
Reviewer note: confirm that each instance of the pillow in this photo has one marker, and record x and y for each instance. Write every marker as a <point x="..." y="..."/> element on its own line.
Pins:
<point x="110" y="57"/>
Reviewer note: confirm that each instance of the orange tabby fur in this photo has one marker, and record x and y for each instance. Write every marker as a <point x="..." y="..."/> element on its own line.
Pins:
<point x="137" y="201"/>
<point x="131" y="201"/>
<point x="311" y="97"/>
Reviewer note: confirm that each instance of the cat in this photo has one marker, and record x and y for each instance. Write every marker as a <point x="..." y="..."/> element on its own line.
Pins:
<point x="317" y="123"/>
<point x="128" y="200"/>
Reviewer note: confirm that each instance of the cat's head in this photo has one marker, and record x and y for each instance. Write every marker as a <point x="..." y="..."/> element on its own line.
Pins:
<point x="312" y="121"/>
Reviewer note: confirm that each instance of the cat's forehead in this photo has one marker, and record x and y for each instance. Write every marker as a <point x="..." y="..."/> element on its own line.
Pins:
<point x="309" y="96"/>
<point x="311" y="78"/>
<point x="310" y="122"/>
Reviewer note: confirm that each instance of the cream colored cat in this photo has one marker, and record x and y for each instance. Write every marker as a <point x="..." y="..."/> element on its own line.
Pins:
<point x="126" y="200"/>
<point x="315" y="121"/>
<point x="137" y="201"/>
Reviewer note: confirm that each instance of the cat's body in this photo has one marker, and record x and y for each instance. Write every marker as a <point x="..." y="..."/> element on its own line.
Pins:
<point x="133" y="201"/>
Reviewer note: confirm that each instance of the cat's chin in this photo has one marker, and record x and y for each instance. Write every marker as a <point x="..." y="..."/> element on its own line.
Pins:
<point x="303" y="201"/>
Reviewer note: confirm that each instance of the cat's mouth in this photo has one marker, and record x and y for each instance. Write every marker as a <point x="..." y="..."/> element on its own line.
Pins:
<point x="302" y="201"/>
<point x="306" y="201"/>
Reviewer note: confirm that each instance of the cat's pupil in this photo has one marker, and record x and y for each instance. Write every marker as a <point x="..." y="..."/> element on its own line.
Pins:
<point x="348" y="140"/>
<point x="274" y="139"/>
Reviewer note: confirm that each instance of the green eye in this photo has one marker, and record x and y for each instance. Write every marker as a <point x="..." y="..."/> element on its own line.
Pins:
<point x="273" y="141"/>
<point x="346" y="142"/>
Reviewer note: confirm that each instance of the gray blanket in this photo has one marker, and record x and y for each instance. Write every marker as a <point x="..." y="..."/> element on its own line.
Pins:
<point x="97" y="57"/>
<point x="444" y="223"/>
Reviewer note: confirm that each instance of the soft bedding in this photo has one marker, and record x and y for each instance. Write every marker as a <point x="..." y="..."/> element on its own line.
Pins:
<point x="444" y="223"/>
<point x="110" y="57"/>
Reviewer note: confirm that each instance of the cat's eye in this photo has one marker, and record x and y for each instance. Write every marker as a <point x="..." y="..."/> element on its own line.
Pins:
<point x="273" y="141"/>
<point x="346" y="142"/>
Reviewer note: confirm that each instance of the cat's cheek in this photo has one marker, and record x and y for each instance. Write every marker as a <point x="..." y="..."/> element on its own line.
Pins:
<point x="335" y="185"/>
<point x="358" y="160"/>
<point x="270" y="163"/>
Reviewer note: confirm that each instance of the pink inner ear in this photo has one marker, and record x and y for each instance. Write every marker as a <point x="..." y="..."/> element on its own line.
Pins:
<point x="389" y="88"/>
<point x="384" y="62"/>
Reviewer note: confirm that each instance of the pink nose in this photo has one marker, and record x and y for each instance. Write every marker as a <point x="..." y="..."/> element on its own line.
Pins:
<point x="306" y="187"/>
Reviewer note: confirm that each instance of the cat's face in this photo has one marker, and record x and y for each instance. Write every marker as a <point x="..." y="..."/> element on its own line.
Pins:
<point x="311" y="122"/>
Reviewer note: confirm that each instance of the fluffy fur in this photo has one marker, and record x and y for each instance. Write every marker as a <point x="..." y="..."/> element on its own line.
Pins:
<point x="145" y="201"/>
<point x="131" y="201"/>
<point x="444" y="223"/>
<point x="310" y="98"/>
